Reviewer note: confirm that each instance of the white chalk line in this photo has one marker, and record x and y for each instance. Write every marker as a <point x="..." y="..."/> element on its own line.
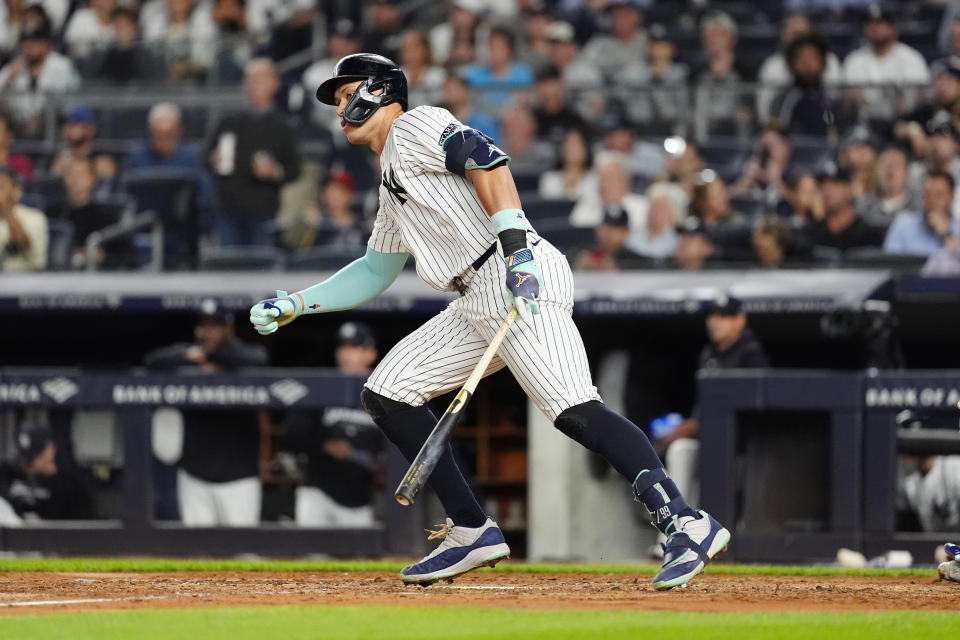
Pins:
<point x="44" y="603"/>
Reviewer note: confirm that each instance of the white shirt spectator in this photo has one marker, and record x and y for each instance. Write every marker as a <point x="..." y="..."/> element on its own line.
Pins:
<point x="85" y="32"/>
<point x="34" y="225"/>
<point x="57" y="76"/>
<point x="775" y="74"/>
<point x="199" y="36"/>
<point x="553" y="185"/>
<point x="902" y="65"/>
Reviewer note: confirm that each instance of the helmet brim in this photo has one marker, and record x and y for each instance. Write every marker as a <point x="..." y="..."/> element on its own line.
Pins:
<point x="329" y="87"/>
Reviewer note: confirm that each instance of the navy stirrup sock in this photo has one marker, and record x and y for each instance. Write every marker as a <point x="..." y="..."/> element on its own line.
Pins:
<point x="627" y="448"/>
<point x="408" y="429"/>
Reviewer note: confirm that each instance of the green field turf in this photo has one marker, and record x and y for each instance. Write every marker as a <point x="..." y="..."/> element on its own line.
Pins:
<point x="455" y="623"/>
<point x="95" y="565"/>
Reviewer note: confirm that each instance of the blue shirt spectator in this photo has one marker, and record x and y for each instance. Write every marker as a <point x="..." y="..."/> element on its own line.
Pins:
<point x="926" y="233"/>
<point x="164" y="149"/>
<point x="502" y="75"/>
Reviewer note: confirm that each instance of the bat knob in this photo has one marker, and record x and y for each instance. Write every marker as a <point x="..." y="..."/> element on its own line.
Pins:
<point x="403" y="500"/>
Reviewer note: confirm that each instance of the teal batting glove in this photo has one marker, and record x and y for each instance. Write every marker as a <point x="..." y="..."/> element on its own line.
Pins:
<point x="269" y="315"/>
<point x="523" y="281"/>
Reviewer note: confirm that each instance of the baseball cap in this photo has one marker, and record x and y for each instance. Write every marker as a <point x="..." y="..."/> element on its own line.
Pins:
<point x="548" y="72"/>
<point x="832" y="171"/>
<point x="942" y="125"/>
<point x="560" y="31"/>
<point x="211" y="309"/>
<point x="952" y="68"/>
<point x="657" y="33"/>
<point x="725" y="305"/>
<point x="877" y="13"/>
<point x="32" y="440"/>
<point x="356" y="334"/>
<point x="860" y="134"/>
<point x="615" y="215"/>
<point x="79" y="113"/>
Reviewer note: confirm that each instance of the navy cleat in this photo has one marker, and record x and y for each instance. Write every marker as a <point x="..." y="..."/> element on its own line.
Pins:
<point x="462" y="549"/>
<point x="691" y="545"/>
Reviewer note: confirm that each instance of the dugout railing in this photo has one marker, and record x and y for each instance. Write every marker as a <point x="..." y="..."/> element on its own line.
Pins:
<point x="134" y="395"/>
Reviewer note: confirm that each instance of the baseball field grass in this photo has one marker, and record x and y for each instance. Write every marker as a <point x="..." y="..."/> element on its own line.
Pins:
<point x="140" y="598"/>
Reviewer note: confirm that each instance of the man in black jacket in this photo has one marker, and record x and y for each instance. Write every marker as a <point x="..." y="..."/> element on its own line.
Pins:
<point x="341" y="446"/>
<point x="218" y="481"/>
<point x="252" y="154"/>
<point x="731" y="345"/>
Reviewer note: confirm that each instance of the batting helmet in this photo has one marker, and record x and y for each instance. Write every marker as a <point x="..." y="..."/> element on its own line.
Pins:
<point x="378" y="73"/>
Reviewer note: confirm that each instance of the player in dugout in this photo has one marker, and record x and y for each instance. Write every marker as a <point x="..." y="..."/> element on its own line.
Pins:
<point x="447" y="197"/>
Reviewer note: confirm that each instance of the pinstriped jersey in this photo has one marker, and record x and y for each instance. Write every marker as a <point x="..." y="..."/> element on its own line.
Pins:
<point x="425" y="210"/>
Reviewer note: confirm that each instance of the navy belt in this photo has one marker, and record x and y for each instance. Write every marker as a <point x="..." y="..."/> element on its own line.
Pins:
<point x="458" y="285"/>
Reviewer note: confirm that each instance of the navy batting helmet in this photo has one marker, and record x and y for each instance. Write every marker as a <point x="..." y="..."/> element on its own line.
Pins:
<point x="378" y="73"/>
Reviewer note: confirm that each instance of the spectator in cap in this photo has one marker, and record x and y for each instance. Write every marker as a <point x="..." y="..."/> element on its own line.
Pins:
<point x="90" y="27"/>
<point x="935" y="228"/>
<point x="610" y="253"/>
<point x="640" y="157"/>
<point x="695" y="249"/>
<point x="718" y="78"/>
<point x="580" y="76"/>
<point x="339" y="447"/>
<point x="613" y="188"/>
<point x="730" y="345"/>
<point x="554" y="116"/>
<point x="23" y="230"/>
<point x="573" y="175"/>
<point x="334" y="221"/>
<point x="501" y="75"/>
<point x="892" y="196"/>
<point x="657" y="239"/>
<point x="807" y="107"/>
<point x="941" y="154"/>
<point x="655" y="91"/>
<point x="42" y="483"/>
<point x="424" y="79"/>
<point x="218" y="480"/>
<point x="775" y="73"/>
<point x="841" y="227"/>
<point x="78" y="131"/>
<point x="519" y="139"/>
<point x="458" y="100"/>
<point x="858" y="153"/>
<point x="884" y="60"/>
<point x="18" y="162"/>
<point x="36" y="71"/>
<point x="626" y="43"/>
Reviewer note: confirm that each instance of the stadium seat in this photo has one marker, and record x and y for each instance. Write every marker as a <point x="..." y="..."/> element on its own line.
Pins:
<point x="241" y="259"/>
<point x="322" y="258"/>
<point x="51" y="188"/>
<point x="60" y="244"/>
<point x="171" y="194"/>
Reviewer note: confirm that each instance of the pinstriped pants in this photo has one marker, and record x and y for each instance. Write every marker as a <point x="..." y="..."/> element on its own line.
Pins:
<point x="545" y="355"/>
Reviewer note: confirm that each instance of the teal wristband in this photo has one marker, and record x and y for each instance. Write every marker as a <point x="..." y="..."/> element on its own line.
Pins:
<point x="509" y="219"/>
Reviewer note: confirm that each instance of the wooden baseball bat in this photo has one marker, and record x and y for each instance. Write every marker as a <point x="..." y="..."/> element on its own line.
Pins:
<point x="423" y="465"/>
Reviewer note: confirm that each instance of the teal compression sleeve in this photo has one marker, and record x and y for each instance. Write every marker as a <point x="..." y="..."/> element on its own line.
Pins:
<point x="361" y="280"/>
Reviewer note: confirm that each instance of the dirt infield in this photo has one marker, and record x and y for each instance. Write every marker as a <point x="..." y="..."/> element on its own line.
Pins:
<point x="22" y="593"/>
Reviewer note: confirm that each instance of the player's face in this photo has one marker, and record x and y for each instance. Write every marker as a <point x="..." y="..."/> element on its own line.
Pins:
<point x="354" y="133"/>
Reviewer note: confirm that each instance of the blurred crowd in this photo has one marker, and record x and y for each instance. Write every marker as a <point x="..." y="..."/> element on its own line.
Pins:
<point x="688" y="134"/>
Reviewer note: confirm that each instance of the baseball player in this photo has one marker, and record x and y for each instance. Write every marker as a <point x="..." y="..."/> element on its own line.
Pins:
<point x="447" y="197"/>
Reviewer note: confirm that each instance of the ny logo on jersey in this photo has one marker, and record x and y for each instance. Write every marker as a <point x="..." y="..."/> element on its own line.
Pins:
<point x="393" y="186"/>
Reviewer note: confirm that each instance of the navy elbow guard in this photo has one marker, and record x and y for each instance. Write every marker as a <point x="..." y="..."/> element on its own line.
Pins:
<point x="467" y="149"/>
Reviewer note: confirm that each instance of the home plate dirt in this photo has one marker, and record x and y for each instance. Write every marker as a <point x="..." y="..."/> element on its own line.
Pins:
<point x="22" y="593"/>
